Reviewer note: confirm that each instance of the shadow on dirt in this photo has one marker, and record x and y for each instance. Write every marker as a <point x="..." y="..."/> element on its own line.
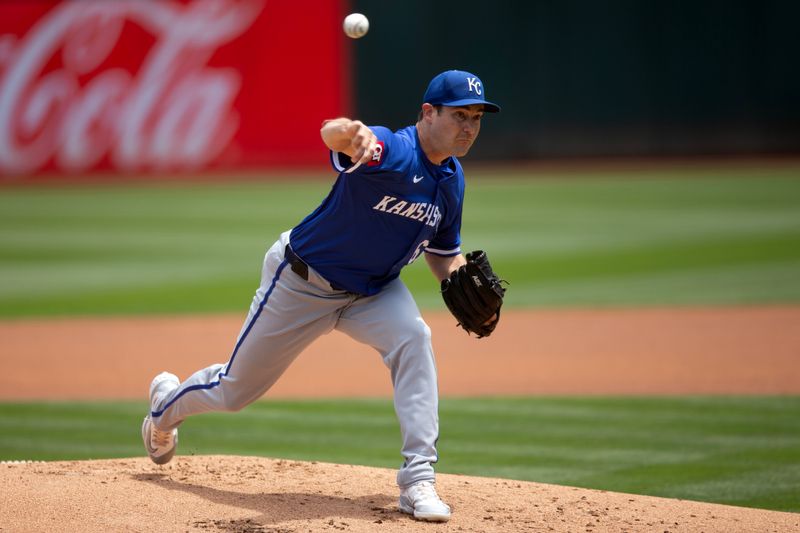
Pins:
<point x="276" y="508"/>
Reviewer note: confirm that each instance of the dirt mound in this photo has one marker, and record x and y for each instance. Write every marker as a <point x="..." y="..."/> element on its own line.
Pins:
<point x="249" y="494"/>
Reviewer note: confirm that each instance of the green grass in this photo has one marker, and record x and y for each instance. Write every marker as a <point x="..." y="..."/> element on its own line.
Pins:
<point x="581" y="239"/>
<point x="740" y="451"/>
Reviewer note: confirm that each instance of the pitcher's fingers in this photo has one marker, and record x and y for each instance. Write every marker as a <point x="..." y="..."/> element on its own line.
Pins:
<point x="368" y="154"/>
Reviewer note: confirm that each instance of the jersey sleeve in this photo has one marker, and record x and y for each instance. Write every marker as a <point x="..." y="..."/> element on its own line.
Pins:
<point x="392" y="155"/>
<point x="447" y="241"/>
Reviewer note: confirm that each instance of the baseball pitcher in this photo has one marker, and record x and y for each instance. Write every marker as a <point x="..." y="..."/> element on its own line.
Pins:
<point x="398" y="195"/>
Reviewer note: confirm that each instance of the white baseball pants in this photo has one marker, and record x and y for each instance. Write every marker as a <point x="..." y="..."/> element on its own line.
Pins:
<point x="287" y="314"/>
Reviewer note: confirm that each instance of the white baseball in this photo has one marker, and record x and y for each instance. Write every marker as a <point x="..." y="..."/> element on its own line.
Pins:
<point x="355" y="25"/>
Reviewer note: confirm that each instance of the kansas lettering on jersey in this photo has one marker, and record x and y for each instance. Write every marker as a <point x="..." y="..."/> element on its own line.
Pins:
<point x="381" y="216"/>
<point x="419" y="211"/>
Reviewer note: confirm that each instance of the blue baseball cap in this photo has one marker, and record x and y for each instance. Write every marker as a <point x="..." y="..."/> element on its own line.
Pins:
<point x="456" y="88"/>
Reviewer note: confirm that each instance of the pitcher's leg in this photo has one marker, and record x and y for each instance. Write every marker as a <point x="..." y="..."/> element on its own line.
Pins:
<point x="257" y="364"/>
<point x="287" y="314"/>
<point x="391" y="322"/>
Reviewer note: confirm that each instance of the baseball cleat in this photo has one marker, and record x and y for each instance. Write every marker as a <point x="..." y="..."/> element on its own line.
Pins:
<point x="421" y="501"/>
<point x="160" y="445"/>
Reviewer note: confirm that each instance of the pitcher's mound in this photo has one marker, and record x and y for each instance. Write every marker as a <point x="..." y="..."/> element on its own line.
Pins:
<point x="249" y="494"/>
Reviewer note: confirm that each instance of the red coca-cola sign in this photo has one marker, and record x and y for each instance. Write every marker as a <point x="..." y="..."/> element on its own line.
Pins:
<point x="153" y="86"/>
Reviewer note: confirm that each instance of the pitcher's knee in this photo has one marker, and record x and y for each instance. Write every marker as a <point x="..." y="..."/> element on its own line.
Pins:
<point x="421" y="330"/>
<point x="414" y="333"/>
<point x="233" y="401"/>
<point x="409" y="343"/>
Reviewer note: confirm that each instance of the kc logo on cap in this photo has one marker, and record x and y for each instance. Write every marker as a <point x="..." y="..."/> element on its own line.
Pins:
<point x="455" y="88"/>
<point x="474" y="85"/>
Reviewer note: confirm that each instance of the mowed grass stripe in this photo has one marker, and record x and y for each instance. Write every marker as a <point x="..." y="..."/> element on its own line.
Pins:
<point x="741" y="451"/>
<point x="732" y="285"/>
<point x="644" y="238"/>
<point x="140" y="249"/>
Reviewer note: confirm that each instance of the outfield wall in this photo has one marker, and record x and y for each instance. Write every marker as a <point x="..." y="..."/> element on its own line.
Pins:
<point x="588" y="78"/>
<point x="137" y="87"/>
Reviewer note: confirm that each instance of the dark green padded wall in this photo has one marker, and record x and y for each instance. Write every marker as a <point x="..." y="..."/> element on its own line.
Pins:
<point x="588" y="78"/>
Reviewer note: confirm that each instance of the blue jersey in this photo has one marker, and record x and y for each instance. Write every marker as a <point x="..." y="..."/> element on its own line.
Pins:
<point x="383" y="215"/>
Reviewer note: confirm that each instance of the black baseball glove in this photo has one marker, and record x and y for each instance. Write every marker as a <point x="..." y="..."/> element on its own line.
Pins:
<point x="474" y="295"/>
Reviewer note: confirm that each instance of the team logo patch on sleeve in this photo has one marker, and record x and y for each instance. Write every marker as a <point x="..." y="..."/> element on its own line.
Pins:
<point x="377" y="157"/>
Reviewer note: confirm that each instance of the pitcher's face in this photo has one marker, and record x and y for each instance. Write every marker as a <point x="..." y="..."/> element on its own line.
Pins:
<point x="454" y="129"/>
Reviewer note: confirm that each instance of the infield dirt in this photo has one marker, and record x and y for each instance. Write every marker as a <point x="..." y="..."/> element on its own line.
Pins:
<point x="246" y="494"/>
<point x="726" y="350"/>
<point x="654" y="351"/>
